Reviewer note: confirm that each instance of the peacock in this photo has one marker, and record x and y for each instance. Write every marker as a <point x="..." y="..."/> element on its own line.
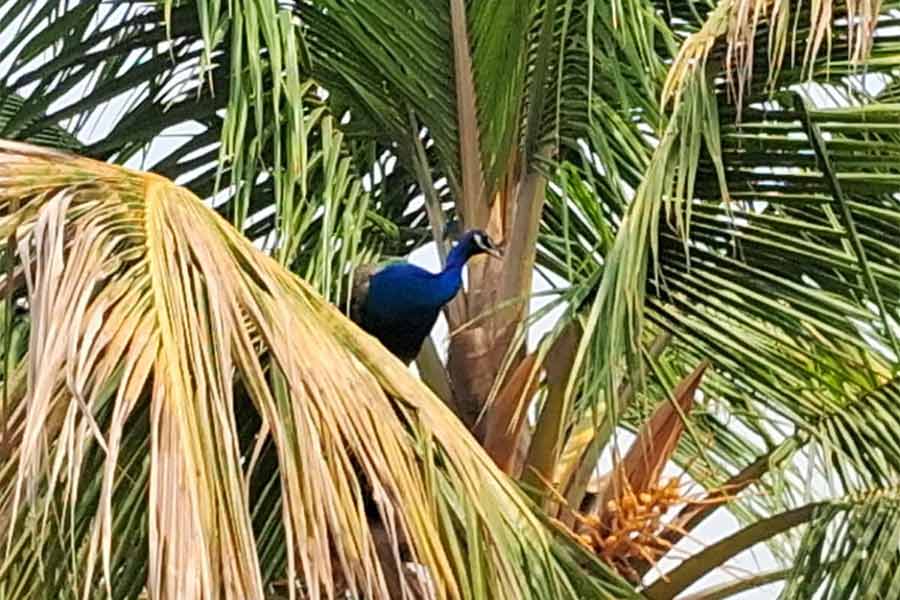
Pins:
<point x="400" y="303"/>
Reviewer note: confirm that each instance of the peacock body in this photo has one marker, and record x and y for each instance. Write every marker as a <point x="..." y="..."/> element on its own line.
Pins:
<point x="400" y="303"/>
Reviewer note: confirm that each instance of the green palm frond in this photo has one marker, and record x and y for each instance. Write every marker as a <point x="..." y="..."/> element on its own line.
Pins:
<point x="198" y="418"/>
<point x="747" y="253"/>
<point x="858" y="440"/>
<point x="12" y="104"/>
<point x="850" y="550"/>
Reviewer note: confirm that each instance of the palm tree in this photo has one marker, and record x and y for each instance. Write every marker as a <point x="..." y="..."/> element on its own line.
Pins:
<point x="712" y="190"/>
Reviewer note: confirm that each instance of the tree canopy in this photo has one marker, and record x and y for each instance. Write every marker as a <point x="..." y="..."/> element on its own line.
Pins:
<point x="714" y="184"/>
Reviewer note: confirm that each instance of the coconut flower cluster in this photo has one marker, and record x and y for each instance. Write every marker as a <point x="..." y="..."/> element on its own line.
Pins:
<point x="631" y="532"/>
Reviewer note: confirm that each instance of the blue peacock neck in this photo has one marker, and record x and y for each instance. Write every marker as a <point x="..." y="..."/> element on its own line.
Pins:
<point x="450" y="279"/>
<point x="458" y="256"/>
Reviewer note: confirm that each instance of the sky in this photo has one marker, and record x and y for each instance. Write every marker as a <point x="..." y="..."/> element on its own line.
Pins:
<point x="721" y="524"/>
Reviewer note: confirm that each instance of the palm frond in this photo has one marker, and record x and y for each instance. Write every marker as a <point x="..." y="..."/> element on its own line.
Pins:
<point x="151" y="314"/>
<point x="746" y="252"/>
<point x="850" y="550"/>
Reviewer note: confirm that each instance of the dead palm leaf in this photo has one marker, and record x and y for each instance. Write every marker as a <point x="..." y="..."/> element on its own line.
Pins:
<point x="169" y="360"/>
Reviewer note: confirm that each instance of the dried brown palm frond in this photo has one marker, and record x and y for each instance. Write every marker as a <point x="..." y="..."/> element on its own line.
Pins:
<point x="738" y="23"/>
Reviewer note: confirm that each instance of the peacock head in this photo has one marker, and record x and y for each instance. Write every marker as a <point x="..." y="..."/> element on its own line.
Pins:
<point x="476" y="241"/>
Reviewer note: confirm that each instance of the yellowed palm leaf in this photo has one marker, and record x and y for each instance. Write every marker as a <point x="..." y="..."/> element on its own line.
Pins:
<point x="153" y="318"/>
